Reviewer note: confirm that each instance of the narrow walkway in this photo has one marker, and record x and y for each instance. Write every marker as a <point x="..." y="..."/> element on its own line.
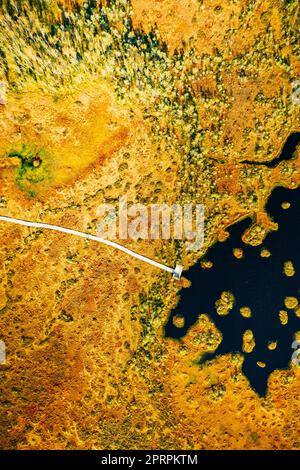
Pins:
<point x="175" y="271"/>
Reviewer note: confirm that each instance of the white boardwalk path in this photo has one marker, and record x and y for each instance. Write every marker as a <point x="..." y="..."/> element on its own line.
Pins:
<point x="175" y="271"/>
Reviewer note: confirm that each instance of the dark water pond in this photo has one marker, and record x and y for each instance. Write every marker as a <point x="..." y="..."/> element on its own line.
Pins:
<point x="256" y="282"/>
